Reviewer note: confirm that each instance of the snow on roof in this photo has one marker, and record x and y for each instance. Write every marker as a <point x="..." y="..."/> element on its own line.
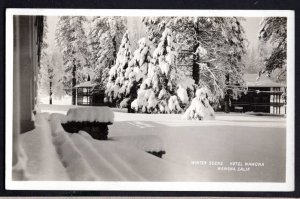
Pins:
<point x="85" y="84"/>
<point x="252" y="80"/>
<point x="91" y="114"/>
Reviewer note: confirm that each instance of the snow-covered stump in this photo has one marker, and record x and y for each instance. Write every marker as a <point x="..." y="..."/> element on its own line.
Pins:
<point x="157" y="153"/>
<point x="93" y="120"/>
<point x="148" y="143"/>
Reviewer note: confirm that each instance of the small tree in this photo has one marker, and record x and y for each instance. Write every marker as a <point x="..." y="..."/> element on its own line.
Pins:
<point x="50" y="75"/>
<point x="200" y="108"/>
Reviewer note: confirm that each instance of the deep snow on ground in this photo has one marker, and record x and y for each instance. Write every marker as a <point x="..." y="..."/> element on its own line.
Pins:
<point x="43" y="162"/>
<point x="230" y="138"/>
<point x="65" y="100"/>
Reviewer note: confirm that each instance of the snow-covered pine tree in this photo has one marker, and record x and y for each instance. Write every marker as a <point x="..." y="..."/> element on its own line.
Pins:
<point x="104" y="38"/>
<point x="216" y="43"/>
<point x="71" y="40"/>
<point x="116" y="87"/>
<point x="157" y="93"/>
<point x="155" y="26"/>
<point x="200" y="108"/>
<point x="135" y="73"/>
<point x="274" y="31"/>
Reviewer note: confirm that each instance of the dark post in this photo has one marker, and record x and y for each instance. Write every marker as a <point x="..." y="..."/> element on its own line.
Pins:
<point x="74" y="83"/>
<point x="50" y="93"/>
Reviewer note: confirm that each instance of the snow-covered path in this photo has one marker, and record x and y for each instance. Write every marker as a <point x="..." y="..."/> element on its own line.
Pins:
<point x="190" y="147"/>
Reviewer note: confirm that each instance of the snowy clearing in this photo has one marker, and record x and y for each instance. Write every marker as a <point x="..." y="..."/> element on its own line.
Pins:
<point x="230" y="137"/>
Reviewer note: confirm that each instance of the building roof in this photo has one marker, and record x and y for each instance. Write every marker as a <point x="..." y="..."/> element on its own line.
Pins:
<point x="252" y="80"/>
<point x="85" y="85"/>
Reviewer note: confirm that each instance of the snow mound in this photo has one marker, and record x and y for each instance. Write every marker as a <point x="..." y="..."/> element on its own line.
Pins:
<point x="92" y="114"/>
<point x="19" y="171"/>
<point x="147" y="143"/>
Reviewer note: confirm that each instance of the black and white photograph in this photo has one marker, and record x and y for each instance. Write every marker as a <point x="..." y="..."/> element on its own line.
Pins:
<point x="150" y="100"/>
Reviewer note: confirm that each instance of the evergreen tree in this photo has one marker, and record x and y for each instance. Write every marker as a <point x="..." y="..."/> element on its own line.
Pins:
<point x="155" y="27"/>
<point x="135" y="73"/>
<point x="116" y="86"/>
<point x="157" y="93"/>
<point x="104" y="36"/>
<point x="274" y="31"/>
<point x="216" y="43"/>
<point x="50" y="75"/>
<point x="71" y="40"/>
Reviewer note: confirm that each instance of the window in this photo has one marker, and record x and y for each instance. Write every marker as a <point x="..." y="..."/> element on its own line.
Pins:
<point x="86" y="100"/>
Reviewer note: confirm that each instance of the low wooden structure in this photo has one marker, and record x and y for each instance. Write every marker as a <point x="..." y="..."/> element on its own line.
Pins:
<point x="262" y="95"/>
<point x="89" y="94"/>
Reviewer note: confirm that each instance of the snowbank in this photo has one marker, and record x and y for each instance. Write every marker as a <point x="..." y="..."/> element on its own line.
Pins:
<point x="69" y="154"/>
<point x="91" y="114"/>
<point x="147" y="143"/>
<point x="42" y="162"/>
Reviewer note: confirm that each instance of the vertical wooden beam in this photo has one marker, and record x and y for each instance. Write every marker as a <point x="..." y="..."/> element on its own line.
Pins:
<point x="24" y="66"/>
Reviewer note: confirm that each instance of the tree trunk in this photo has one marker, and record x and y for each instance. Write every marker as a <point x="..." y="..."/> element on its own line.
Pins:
<point x="115" y="49"/>
<point x="50" y="93"/>
<point x="227" y="96"/>
<point x="196" y="70"/>
<point x="74" y="83"/>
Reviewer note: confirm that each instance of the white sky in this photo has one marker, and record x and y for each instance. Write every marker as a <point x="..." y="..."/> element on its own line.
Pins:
<point x="251" y="26"/>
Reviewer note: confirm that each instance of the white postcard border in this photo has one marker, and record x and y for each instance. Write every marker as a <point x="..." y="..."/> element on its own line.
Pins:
<point x="151" y="186"/>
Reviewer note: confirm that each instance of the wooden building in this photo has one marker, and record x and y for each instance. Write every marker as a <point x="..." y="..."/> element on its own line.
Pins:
<point x="262" y="95"/>
<point x="89" y="94"/>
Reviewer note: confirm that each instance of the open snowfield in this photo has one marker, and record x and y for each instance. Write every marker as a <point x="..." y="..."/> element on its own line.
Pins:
<point x="234" y="147"/>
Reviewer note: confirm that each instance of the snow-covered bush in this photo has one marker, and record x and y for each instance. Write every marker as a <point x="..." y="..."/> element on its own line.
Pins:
<point x="93" y="120"/>
<point x="200" y="108"/>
